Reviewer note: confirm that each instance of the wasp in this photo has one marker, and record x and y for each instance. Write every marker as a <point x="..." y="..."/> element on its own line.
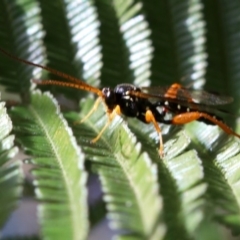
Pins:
<point x="169" y="105"/>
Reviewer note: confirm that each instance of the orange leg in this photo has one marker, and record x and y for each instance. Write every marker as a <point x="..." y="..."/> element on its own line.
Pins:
<point x="184" y="118"/>
<point x="94" y="108"/>
<point x="151" y="119"/>
<point x="115" y="111"/>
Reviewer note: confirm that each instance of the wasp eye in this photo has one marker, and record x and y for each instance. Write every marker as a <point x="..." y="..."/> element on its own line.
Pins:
<point x="106" y="92"/>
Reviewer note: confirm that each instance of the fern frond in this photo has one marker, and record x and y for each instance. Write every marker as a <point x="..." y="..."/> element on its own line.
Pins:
<point x="71" y="41"/>
<point x="59" y="172"/>
<point x="128" y="177"/>
<point x="177" y="35"/>
<point x="60" y="51"/>
<point x="125" y="41"/>
<point x="181" y="179"/>
<point x="187" y="175"/>
<point x="135" y="30"/>
<point x="10" y="172"/>
<point x="223" y="68"/>
<point x="222" y="172"/>
<point x="115" y="54"/>
<point x="15" y="39"/>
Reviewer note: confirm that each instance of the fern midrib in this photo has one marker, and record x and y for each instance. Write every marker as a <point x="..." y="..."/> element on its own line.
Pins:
<point x="66" y="180"/>
<point x="103" y="138"/>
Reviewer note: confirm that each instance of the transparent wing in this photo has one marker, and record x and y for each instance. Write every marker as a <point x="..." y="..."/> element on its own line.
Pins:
<point x="178" y="93"/>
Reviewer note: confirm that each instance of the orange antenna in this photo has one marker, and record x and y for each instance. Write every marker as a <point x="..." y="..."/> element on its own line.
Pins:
<point x="79" y="84"/>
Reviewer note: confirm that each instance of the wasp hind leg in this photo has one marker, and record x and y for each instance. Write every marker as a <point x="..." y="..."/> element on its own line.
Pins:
<point x="188" y="117"/>
<point x="149" y="117"/>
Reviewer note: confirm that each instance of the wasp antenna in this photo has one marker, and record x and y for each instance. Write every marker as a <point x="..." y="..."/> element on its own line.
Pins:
<point x="71" y="85"/>
<point x="37" y="81"/>
<point x="56" y="72"/>
<point x="75" y="82"/>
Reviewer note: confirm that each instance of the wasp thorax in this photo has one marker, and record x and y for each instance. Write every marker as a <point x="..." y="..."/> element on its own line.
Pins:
<point x="125" y="88"/>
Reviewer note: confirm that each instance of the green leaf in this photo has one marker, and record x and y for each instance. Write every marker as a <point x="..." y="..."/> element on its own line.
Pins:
<point x="15" y="17"/>
<point x="10" y="171"/>
<point x="222" y="172"/>
<point x="126" y="48"/>
<point x="60" y="177"/>
<point x="187" y="174"/>
<point x="72" y="54"/>
<point x="181" y="179"/>
<point x="128" y="177"/>
<point x="64" y="57"/>
<point x="138" y="41"/>
<point x="210" y="230"/>
<point x="223" y="50"/>
<point x="177" y="35"/>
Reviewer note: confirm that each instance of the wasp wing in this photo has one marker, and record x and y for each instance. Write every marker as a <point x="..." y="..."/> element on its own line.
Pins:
<point x="177" y="93"/>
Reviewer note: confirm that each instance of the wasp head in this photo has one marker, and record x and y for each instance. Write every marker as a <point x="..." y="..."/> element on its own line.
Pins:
<point x="109" y="97"/>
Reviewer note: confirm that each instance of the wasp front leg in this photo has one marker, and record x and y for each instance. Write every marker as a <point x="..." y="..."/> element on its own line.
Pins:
<point x="149" y="117"/>
<point x="111" y="115"/>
